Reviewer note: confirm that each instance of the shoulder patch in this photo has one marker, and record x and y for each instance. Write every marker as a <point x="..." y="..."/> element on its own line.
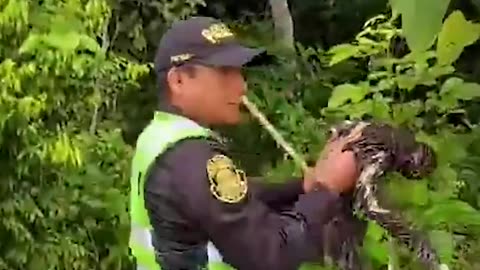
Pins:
<point x="227" y="183"/>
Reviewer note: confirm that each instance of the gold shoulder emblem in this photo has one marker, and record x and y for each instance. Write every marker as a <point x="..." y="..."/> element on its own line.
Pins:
<point x="217" y="32"/>
<point x="227" y="183"/>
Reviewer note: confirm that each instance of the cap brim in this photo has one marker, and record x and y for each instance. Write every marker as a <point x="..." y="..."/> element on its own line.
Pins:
<point x="233" y="56"/>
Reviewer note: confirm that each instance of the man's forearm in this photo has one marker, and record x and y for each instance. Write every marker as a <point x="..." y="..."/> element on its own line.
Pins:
<point x="277" y="195"/>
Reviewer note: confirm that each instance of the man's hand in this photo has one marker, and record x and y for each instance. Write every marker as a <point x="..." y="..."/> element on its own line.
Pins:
<point x="337" y="169"/>
<point x="309" y="179"/>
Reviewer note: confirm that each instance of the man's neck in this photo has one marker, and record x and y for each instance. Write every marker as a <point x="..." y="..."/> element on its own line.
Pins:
<point x="170" y="108"/>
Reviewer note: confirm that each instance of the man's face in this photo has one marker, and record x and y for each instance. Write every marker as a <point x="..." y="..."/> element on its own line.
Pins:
<point x="209" y="95"/>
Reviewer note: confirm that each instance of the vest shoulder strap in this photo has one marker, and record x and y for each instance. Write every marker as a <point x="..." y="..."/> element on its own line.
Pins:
<point x="162" y="133"/>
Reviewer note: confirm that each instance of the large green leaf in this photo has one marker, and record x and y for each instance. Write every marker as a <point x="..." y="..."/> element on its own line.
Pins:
<point x="345" y="92"/>
<point x="421" y="21"/>
<point x="443" y="243"/>
<point x="456" y="34"/>
<point x="452" y="212"/>
<point x="458" y="89"/>
<point x="374" y="247"/>
<point x="342" y="52"/>
<point x="63" y="41"/>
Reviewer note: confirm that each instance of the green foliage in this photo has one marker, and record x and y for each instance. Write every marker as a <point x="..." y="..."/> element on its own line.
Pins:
<point x="420" y="27"/>
<point x="75" y="81"/>
<point x="64" y="163"/>
<point x="137" y="26"/>
<point x="451" y="42"/>
<point x="421" y="91"/>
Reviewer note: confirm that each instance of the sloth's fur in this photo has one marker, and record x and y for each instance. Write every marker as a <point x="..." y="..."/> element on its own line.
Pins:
<point x="381" y="149"/>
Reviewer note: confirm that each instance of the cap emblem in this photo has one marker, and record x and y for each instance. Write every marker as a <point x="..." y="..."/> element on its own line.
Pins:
<point x="216" y="33"/>
<point x="176" y="59"/>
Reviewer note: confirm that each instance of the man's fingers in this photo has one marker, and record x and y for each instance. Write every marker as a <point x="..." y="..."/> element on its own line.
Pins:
<point x="336" y="144"/>
<point x="356" y="133"/>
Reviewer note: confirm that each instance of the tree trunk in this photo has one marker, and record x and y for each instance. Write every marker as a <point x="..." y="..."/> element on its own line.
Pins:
<point x="283" y="24"/>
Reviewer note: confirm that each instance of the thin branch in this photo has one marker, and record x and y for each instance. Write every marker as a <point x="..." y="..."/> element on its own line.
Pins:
<point x="275" y="134"/>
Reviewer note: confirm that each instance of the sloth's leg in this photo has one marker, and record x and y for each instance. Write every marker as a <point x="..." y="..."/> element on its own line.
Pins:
<point x="366" y="201"/>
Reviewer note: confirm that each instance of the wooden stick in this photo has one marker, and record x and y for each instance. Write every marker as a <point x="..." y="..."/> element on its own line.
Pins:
<point x="275" y="134"/>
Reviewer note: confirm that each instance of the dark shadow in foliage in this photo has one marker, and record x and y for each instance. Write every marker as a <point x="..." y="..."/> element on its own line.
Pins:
<point x="137" y="107"/>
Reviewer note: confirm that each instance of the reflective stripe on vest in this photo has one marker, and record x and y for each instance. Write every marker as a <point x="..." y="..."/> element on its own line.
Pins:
<point x="162" y="132"/>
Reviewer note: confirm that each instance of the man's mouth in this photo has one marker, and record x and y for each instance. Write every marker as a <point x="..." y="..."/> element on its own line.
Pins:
<point x="243" y="109"/>
<point x="238" y="105"/>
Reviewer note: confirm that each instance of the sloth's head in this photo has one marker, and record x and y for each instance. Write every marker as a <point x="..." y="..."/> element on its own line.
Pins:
<point x="412" y="159"/>
<point x="419" y="163"/>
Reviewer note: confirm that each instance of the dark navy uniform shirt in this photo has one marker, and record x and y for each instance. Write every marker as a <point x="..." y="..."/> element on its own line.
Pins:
<point x="274" y="227"/>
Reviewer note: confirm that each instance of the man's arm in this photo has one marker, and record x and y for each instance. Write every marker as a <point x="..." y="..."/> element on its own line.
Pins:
<point x="277" y="195"/>
<point x="248" y="233"/>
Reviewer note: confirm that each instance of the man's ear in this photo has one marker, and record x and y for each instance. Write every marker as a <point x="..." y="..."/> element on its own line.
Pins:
<point x="174" y="80"/>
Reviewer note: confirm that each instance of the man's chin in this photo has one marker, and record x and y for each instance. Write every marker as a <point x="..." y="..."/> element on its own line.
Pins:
<point x="225" y="122"/>
<point x="233" y="121"/>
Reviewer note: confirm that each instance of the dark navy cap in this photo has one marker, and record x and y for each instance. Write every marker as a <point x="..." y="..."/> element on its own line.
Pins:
<point x="202" y="40"/>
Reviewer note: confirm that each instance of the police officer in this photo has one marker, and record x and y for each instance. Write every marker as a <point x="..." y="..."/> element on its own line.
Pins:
<point x="191" y="207"/>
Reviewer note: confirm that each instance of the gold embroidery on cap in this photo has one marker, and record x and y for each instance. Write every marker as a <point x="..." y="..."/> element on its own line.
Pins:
<point x="181" y="57"/>
<point x="217" y="32"/>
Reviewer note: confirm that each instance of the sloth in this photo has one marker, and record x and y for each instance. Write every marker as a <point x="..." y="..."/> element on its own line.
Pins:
<point x="380" y="149"/>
